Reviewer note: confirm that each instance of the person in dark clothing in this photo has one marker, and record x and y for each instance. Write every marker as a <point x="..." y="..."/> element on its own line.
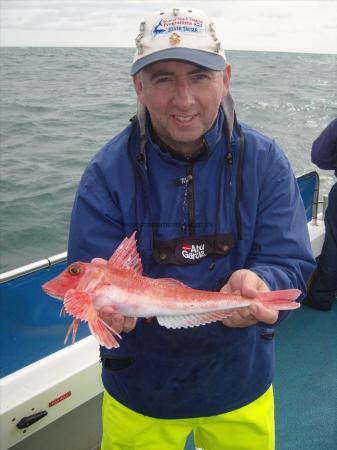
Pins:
<point x="324" y="283"/>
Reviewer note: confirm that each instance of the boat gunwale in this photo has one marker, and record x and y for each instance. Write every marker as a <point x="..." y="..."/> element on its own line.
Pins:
<point x="32" y="267"/>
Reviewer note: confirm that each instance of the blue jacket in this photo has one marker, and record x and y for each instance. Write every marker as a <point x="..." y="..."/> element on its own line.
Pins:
<point x="209" y="369"/>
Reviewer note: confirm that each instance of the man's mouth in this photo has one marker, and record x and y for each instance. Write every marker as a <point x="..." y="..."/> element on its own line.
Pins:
<point x="183" y="118"/>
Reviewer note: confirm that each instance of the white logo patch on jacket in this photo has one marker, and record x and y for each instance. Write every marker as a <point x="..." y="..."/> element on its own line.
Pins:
<point x="193" y="251"/>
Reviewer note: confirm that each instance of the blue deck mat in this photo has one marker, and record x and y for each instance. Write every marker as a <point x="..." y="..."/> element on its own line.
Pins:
<point x="306" y="381"/>
<point x="305" y="384"/>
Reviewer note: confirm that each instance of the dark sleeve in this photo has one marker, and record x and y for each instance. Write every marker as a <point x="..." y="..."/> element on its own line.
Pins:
<point x="324" y="148"/>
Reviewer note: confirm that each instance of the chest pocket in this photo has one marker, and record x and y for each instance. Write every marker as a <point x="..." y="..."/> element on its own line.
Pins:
<point x="191" y="250"/>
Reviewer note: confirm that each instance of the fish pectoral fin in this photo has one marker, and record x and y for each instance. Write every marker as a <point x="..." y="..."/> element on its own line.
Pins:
<point x="78" y="304"/>
<point x="192" y="320"/>
<point x="126" y="256"/>
<point x="72" y="330"/>
<point x="103" y="333"/>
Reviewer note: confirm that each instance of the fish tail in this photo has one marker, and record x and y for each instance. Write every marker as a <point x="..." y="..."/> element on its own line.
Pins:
<point x="280" y="300"/>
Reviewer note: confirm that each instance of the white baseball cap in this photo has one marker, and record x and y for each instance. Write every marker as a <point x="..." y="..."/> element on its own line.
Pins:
<point x="179" y="34"/>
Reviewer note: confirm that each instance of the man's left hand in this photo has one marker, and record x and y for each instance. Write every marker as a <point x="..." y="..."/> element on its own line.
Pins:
<point x="246" y="283"/>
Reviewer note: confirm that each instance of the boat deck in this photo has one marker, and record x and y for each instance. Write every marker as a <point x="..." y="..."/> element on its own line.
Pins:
<point x="305" y="385"/>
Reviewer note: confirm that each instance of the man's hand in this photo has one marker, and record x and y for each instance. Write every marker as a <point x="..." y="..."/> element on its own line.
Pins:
<point x="248" y="284"/>
<point x="119" y="323"/>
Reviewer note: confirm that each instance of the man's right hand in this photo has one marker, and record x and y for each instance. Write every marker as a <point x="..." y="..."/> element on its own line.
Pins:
<point x="119" y="323"/>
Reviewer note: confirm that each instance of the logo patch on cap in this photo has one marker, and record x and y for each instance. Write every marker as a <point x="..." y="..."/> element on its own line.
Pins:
<point x="175" y="39"/>
<point x="178" y="24"/>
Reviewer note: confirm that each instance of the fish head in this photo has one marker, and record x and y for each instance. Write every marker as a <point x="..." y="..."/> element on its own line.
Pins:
<point x="70" y="278"/>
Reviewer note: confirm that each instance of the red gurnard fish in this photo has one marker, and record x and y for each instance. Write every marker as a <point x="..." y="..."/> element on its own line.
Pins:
<point x="87" y="287"/>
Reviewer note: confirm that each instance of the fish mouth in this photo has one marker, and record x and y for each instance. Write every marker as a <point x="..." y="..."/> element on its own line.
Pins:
<point x="57" y="297"/>
<point x="51" y="294"/>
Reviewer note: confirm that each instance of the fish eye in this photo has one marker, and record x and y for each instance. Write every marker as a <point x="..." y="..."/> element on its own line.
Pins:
<point x="74" y="270"/>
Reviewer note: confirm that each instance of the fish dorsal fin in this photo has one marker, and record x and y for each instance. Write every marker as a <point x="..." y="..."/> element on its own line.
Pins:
<point x="126" y="256"/>
<point x="192" y="320"/>
<point x="173" y="282"/>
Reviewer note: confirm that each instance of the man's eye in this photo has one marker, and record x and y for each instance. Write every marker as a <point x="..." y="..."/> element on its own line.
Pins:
<point x="162" y="80"/>
<point x="200" y="76"/>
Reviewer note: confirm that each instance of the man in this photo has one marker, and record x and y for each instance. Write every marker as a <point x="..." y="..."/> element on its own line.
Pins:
<point x="216" y="206"/>
<point x="324" y="284"/>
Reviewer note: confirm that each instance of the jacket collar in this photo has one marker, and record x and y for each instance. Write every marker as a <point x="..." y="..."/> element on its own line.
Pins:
<point x="160" y="146"/>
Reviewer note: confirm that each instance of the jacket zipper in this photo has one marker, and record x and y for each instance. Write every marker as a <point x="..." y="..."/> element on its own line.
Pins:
<point x="190" y="200"/>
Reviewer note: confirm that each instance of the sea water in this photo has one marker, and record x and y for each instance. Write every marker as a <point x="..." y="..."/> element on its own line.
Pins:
<point x="59" y="106"/>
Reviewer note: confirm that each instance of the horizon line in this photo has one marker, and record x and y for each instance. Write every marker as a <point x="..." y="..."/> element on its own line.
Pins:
<point x="132" y="48"/>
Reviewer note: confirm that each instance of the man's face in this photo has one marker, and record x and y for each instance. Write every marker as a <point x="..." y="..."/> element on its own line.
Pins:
<point x="183" y="101"/>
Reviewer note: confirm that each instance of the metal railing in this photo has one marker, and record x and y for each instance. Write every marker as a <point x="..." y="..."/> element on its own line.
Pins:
<point x="33" y="267"/>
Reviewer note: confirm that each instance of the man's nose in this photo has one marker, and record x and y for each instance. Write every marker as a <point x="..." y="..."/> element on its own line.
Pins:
<point x="184" y="96"/>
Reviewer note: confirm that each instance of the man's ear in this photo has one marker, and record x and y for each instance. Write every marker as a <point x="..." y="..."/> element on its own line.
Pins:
<point x="138" y="85"/>
<point x="227" y="78"/>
